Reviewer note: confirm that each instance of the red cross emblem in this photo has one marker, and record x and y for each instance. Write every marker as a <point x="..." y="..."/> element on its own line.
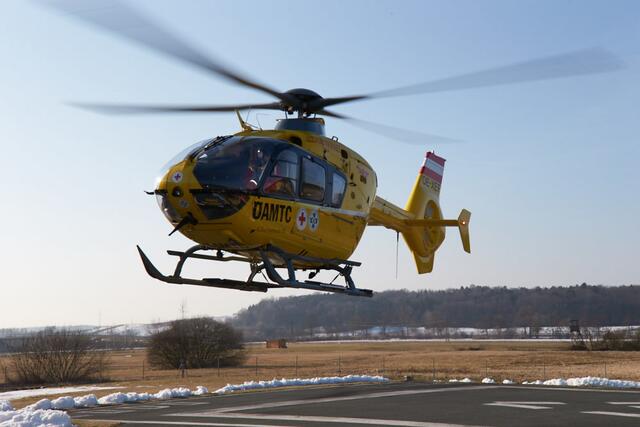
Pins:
<point x="301" y="219"/>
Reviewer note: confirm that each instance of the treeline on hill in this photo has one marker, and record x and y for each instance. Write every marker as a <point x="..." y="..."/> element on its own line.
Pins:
<point x="479" y="307"/>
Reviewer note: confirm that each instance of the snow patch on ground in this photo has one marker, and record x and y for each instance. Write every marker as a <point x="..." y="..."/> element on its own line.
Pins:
<point x="284" y="382"/>
<point x="5" y="406"/>
<point x="508" y="382"/>
<point x="19" y="394"/>
<point x="587" y="382"/>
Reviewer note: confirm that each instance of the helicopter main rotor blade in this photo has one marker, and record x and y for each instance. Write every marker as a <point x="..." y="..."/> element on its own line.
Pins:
<point x="405" y="135"/>
<point x="126" y="22"/>
<point x="152" y="109"/>
<point x="576" y="63"/>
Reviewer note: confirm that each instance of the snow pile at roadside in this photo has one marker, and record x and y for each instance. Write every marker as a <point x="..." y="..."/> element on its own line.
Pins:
<point x="568" y="382"/>
<point x="464" y="380"/>
<point x="170" y="393"/>
<point x="285" y="382"/>
<point x="34" y="418"/>
<point x="200" y="390"/>
<point x="587" y="382"/>
<point x="492" y="381"/>
<point x="49" y="413"/>
<point x="118" y="398"/>
<point x="85" y="401"/>
<point x="167" y="393"/>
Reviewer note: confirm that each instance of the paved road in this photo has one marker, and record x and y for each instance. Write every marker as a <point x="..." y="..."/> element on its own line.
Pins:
<point x="397" y="404"/>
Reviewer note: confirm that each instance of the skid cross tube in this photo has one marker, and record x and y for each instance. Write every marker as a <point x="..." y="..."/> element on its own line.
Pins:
<point x="272" y="258"/>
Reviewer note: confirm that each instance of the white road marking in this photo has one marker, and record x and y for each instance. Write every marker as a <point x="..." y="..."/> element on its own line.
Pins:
<point x="525" y="405"/>
<point x="623" y="403"/>
<point x="111" y="411"/>
<point x="339" y="420"/>
<point x="616" y="414"/>
<point x="186" y="403"/>
<point x="186" y="423"/>
<point x="147" y="406"/>
<point x="335" y="399"/>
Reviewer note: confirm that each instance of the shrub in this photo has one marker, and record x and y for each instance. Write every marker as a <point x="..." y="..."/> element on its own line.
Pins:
<point x="621" y="340"/>
<point x="55" y="356"/>
<point x="200" y="342"/>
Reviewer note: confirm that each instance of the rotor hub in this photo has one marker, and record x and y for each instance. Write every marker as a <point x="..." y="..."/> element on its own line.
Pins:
<point x="302" y="98"/>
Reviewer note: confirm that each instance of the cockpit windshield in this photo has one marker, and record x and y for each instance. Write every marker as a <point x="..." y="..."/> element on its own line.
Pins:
<point x="234" y="164"/>
<point x="180" y="157"/>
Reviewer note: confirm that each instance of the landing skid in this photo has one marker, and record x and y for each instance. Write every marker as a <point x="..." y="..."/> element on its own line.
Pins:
<point x="263" y="263"/>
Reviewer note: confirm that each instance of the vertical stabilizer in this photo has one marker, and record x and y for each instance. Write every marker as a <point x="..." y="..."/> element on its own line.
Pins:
<point x="424" y="203"/>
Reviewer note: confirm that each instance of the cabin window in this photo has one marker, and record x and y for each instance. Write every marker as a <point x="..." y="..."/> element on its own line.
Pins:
<point x="337" y="190"/>
<point x="283" y="180"/>
<point x="313" y="180"/>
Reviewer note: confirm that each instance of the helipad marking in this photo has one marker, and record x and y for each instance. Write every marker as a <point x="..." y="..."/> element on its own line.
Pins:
<point x="525" y="405"/>
<point x="232" y="412"/>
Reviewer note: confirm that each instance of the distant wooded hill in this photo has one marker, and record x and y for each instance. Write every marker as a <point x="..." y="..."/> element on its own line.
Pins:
<point x="473" y="307"/>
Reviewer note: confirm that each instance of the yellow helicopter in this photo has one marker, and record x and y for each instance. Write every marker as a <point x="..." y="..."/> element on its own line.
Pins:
<point x="291" y="198"/>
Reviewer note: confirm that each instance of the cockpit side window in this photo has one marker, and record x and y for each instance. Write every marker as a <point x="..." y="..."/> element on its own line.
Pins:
<point x="283" y="180"/>
<point x="313" y="180"/>
<point x="235" y="164"/>
<point x="338" y="187"/>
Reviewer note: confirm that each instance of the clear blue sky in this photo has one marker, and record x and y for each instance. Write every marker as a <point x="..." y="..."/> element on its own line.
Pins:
<point x="549" y="169"/>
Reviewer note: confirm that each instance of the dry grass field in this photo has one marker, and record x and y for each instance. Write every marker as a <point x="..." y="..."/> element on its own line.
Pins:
<point x="518" y="361"/>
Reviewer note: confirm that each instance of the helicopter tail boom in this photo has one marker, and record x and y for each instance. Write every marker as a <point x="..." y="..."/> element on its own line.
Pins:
<point x="420" y="222"/>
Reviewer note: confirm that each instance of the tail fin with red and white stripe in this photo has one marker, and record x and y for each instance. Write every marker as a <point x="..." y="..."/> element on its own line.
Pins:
<point x="427" y="231"/>
<point x="421" y="222"/>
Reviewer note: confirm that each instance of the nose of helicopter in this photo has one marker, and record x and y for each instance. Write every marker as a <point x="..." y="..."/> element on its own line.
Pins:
<point x="172" y="193"/>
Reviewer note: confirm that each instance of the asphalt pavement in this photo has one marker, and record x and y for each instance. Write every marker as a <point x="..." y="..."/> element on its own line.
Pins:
<point x="411" y="404"/>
